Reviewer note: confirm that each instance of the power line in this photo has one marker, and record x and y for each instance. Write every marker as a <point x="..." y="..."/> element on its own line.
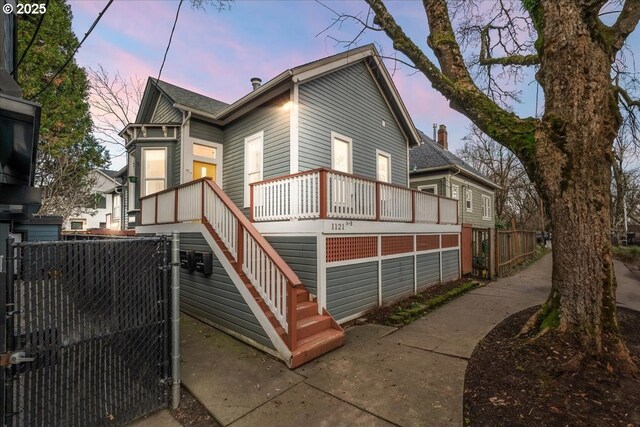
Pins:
<point x="33" y="38"/>
<point x="175" y="21"/>
<point x="74" y="51"/>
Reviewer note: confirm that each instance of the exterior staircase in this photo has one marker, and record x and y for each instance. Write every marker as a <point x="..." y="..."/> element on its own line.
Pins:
<point x="270" y="281"/>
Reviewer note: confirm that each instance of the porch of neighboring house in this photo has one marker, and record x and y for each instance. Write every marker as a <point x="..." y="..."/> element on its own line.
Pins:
<point x="314" y="249"/>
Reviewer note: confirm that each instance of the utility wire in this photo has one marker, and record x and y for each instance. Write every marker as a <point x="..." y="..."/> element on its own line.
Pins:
<point x="175" y="21"/>
<point x="33" y="38"/>
<point x="74" y="52"/>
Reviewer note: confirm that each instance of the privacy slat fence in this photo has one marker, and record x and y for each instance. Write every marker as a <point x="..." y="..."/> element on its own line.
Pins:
<point x="513" y="248"/>
<point x="325" y="193"/>
<point x="92" y="320"/>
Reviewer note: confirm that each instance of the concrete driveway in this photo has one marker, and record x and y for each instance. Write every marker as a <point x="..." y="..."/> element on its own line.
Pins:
<point x="412" y="376"/>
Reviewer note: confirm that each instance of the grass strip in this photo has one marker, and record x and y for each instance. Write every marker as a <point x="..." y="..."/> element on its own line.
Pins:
<point x="408" y="315"/>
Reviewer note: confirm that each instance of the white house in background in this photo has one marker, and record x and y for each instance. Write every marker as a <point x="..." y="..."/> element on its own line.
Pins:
<point x="95" y="216"/>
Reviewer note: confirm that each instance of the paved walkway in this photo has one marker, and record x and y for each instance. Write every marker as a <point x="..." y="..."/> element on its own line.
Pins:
<point x="412" y="376"/>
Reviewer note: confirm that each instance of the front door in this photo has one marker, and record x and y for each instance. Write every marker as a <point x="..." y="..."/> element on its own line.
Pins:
<point x="203" y="169"/>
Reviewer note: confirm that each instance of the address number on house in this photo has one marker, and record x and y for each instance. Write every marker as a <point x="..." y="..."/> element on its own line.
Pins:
<point x="341" y="226"/>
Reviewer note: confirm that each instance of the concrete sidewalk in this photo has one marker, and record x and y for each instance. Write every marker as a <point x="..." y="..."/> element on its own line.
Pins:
<point x="413" y="376"/>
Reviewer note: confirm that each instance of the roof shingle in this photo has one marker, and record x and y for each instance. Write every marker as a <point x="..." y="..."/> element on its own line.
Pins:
<point x="190" y="99"/>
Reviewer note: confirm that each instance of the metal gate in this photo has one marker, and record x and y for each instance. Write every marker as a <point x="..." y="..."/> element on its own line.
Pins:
<point x="86" y="332"/>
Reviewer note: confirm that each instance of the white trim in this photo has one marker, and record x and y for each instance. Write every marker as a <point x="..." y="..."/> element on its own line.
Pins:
<point x="189" y="158"/>
<point x="351" y="227"/>
<point x="143" y="169"/>
<point x="352" y="261"/>
<point x="246" y="189"/>
<point x="440" y="252"/>
<point x="457" y="192"/>
<point x="293" y="131"/>
<point x="415" y="266"/>
<point x="388" y="156"/>
<point x="465" y="180"/>
<point x="433" y="186"/>
<point x="468" y="197"/>
<point x="334" y="136"/>
<point x="331" y="66"/>
<point x="379" y="271"/>
<point x="321" y="252"/>
<point x="486" y="208"/>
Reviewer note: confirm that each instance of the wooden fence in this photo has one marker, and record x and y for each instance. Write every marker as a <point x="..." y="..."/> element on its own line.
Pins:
<point x="513" y="248"/>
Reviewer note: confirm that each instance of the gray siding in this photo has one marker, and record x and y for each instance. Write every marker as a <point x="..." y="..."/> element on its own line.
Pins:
<point x="349" y="102"/>
<point x="175" y="168"/>
<point x="302" y="256"/>
<point x="352" y="289"/>
<point x="214" y="298"/>
<point x="450" y="266"/>
<point x="165" y="112"/>
<point x="397" y="278"/>
<point x="203" y="130"/>
<point x="274" y="121"/>
<point x="428" y="269"/>
<point x="38" y="232"/>
<point x="474" y="217"/>
<point x="439" y="182"/>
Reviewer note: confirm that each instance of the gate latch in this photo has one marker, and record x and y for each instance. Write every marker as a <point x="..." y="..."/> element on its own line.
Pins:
<point x="8" y="359"/>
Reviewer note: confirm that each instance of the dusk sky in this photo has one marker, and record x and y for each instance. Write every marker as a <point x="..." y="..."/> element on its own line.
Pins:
<point x="216" y="53"/>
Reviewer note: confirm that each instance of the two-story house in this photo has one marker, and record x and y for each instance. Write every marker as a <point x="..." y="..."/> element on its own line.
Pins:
<point x="292" y="203"/>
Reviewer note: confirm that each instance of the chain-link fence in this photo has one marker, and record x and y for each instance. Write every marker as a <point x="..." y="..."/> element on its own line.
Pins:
<point x="87" y="331"/>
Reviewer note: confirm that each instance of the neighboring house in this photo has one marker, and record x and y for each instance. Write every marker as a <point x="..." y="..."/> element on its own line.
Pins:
<point x="292" y="203"/>
<point x="96" y="214"/>
<point x="434" y="169"/>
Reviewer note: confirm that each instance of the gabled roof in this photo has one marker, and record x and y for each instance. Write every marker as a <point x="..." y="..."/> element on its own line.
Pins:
<point x="220" y="112"/>
<point x="109" y="173"/>
<point x="430" y="157"/>
<point x="189" y="98"/>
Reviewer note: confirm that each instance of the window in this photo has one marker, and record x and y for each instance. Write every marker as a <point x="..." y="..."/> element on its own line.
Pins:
<point x="341" y="153"/>
<point x="131" y="187"/>
<point x="383" y="166"/>
<point x="486" y="207"/>
<point x="205" y="151"/>
<point x="154" y="170"/>
<point x="469" y="201"/>
<point x="116" y="206"/>
<point x="455" y="191"/>
<point x="77" y="225"/>
<point x="432" y="188"/>
<point x="252" y="163"/>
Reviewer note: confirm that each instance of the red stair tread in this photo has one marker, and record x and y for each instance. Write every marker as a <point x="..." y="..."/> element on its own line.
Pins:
<point x="312" y="319"/>
<point x="306" y="309"/>
<point x="319" y="338"/>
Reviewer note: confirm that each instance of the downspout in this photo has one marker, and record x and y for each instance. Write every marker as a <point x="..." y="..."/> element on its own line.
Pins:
<point x="450" y="189"/>
<point x="175" y="319"/>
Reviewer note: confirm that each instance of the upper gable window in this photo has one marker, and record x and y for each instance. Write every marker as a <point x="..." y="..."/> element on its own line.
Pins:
<point x="383" y="166"/>
<point x="341" y="159"/>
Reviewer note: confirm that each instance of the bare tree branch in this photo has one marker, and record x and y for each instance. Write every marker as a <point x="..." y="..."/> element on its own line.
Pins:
<point x="626" y="23"/>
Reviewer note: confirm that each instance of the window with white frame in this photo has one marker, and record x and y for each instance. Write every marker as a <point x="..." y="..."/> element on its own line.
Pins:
<point x="252" y="163"/>
<point x="469" y="200"/>
<point x="341" y="159"/>
<point x="383" y="166"/>
<point x="131" y="186"/>
<point x="154" y="170"/>
<point x="455" y="191"/>
<point x="431" y="188"/>
<point x="486" y="207"/>
<point x="116" y="206"/>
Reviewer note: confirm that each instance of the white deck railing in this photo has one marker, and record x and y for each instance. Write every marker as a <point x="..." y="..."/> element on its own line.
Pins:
<point x="448" y="211"/>
<point x="324" y="193"/>
<point x="252" y="255"/>
<point x="350" y="197"/>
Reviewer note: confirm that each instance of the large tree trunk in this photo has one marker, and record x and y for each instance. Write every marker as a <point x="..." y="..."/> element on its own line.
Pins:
<point x="573" y="158"/>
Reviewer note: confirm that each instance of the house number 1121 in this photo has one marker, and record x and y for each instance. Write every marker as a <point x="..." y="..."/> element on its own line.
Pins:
<point x="340" y="226"/>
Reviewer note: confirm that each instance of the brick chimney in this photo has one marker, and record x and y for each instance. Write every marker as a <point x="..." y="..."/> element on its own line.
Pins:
<point x="442" y="137"/>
